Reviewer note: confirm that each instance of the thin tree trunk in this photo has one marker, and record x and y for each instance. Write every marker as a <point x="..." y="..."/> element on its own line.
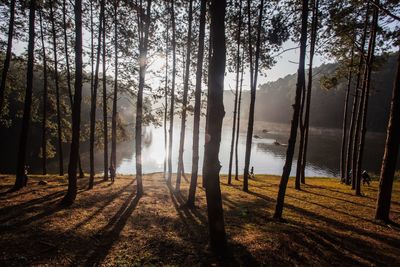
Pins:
<point x="253" y="87"/>
<point x="76" y="111"/>
<point x="184" y="100"/>
<point x="59" y="125"/>
<point x="236" y="93"/>
<point x="345" y="115"/>
<point x="303" y="155"/>
<point x="105" y="123"/>
<point x="391" y="153"/>
<point x="171" y="112"/>
<point x="357" y="121"/>
<point x="366" y="89"/>
<point x="197" y="106"/>
<point x="238" y="120"/>
<point x="45" y="96"/>
<point x="144" y="25"/>
<point x="166" y="102"/>
<point x="216" y="108"/>
<point x="94" y="97"/>
<point x="113" y="162"/>
<point x="21" y="178"/>
<point x="295" y="120"/>
<point x="8" y="54"/>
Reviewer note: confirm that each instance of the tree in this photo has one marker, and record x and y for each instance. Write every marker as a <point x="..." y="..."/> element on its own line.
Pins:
<point x="45" y="98"/>
<point x="216" y="109"/>
<point x="143" y="27"/>
<point x="253" y="87"/>
<point x="238" y="119"/>
<point x="171" y="112"/>
<point x="236" y="92"/>
<point x="7" y="60"/>
<point x="105" y="125"/>
<point x="76" y="111"/>
<point x="296" y="112"/>
<point x="59" y="126"/>
<point x="197" y="106"/>
<point x="21" y="178"/>
<point x="391" y="153"/>
<point x="185" y="96"/>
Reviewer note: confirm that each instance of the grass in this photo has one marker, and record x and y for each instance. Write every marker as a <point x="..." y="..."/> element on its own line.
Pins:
<point x="326" y="225"/>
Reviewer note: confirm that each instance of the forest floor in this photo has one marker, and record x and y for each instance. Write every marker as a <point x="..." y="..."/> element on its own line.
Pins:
<point x="326" y="225"/>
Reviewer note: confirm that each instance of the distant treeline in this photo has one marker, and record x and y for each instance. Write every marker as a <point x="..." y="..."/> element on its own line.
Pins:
<point x="274" y="99"/>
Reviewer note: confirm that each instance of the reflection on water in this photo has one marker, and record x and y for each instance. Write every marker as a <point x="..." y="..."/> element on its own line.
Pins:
<point x="267" y="157"/>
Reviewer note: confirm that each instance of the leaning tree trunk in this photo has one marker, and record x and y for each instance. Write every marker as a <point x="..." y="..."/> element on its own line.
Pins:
<point x="94" y="98"/>
<point x="184" y="100"/>
<point x="305" y="135"/>
<point x="253" y="87"/>
<point x="105" y="125"/>
<point x="216" y="109"/>
<point x="58" y="104"/>
<point x="238" y="120"/>
<point x="391" y="153"/>
<point x="171" y="112"/>
<point x="144" y="26"/>
<point x="113" y="162"/>
<point x="197" y="106"/>
<point x="236" y="93"/>
<point x="366" y="87"/>
<point x="295" y="120"/>
<point x="45" y="98"/>
<point x="345" y="115"/>
<point x="76" y="111"/>
<point x="8" y="54"/>
<point x="21" y="178"/>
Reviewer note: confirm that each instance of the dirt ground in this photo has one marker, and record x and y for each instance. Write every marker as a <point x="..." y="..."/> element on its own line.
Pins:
<point x="326" y="225"/>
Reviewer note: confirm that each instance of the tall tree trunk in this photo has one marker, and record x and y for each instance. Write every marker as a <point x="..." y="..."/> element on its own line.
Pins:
<point x="113" y="162"/>
<point x="304" y="135"/>
<point x="171" y="112"/>
<point x="184" y="100"/>
<point x="197" y="106"/>
<point x="391" y="153"/>
<point x="238" y="120"/>
<point x="81" y="173"/>
<point x="236" y="93"/>
<point x="253" y="87"/>
<point x="105" y="123"/>
<point x="8" y="54"/>
<point x="166" y="101"/>
<point x="144" y="25"/>
<point x="345" y="115"/>
<point x="94" y="97"/>
<point x="21" y="178"/>
<point x="76" y="111"/>
<point x="59" y="125"/>
<point x="216" y="108"/>
<point x="357" y="121"/>
<point x="45" y="96"/>
<point x="366" y="89"/>
<point x="295" y="120"/>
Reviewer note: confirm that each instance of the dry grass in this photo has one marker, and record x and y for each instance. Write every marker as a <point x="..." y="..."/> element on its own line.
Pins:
<point x="326" y="225"/>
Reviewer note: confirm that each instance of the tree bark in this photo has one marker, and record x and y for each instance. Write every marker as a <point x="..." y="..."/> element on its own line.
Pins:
<point x="45" y="98"/>
<point x="236" y="93"/>
<point x="76" y="111"/>
<point x="94" y="97"/>
<point x="253" y="87"/>
<point x="391" y="153"/>
<point x="8" y="54"/>
<point x="197" y="106"/>
<point x="113" y="161"/>
<point x="216" y="108"/>
<point x="295" y="120"/>
<point x="171" y="112"/>
<point x="21" y="178"/>
<point x="105" y="123"/>
<point x="184" y="100"/>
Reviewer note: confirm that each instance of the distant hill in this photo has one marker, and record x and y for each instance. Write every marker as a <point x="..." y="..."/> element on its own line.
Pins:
<point x="274" y="99"/>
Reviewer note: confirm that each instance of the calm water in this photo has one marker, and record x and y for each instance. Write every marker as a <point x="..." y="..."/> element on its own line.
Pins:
<point x="266" y="157"/>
